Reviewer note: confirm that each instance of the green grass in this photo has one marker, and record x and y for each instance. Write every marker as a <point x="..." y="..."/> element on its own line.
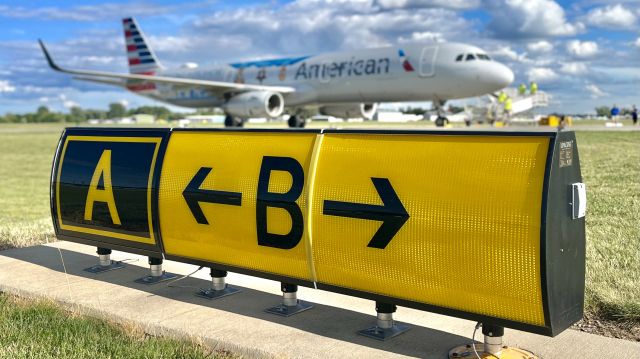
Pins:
<point x="611" y="170"/>
<point x="610" y="166"/>
<point x="26" y="153"/>
<point x="42" y="329"/>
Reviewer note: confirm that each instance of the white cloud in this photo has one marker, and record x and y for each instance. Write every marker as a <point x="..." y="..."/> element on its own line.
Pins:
<point x="5" y="86"/>
<point x="611" y="17"/>
<point x="542" y="74"/>
<point x="637" y="43"/>
<point x="540" y="46"/>
<point x="582" y="49"/>
<point x="452" y="4"/>
<point x="70" y="104"/>
<point x="425" y="36"/>
<point x="313" y="26"/>
<point x="508" y="53"/>
<point x="595" y="91"/>
<point x="124" y="102"/>
<point x="574" y="68"/>
<point x="97" y="12"/>
<point x="530" y="19"/>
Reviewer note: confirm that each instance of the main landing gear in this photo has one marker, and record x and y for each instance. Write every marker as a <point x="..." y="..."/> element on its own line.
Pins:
<point x="296" y="121"/>
<point x="232" y="121"/>
<point x="441" y="121"/>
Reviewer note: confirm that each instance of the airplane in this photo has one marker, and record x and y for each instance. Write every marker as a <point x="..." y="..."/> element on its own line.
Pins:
<point x="340" y="84"/>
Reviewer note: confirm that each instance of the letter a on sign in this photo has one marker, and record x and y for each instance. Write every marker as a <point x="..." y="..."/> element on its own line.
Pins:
<point x="103" y="169"/>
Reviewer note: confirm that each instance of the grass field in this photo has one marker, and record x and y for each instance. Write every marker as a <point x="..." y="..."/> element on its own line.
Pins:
<point x="42" y="329"/>
<point x="611" y="171"/>
<point x="610" y="166"/>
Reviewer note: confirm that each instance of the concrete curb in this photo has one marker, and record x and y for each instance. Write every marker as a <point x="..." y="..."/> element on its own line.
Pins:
<point x="239" y="324"/>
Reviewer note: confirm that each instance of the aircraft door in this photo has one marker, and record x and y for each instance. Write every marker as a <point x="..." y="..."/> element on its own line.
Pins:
<point x="428" y="61"/>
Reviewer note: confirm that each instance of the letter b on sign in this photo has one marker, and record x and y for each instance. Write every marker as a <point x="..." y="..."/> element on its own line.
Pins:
<point x="286" y="201"/>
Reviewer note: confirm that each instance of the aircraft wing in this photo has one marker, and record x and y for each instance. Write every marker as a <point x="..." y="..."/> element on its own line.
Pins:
<point x="215" y="86"/>
<point x="113" y="82"/>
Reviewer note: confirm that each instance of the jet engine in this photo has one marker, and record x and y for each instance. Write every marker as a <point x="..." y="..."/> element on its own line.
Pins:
<point x="255" y="104"/>
<point x="362" y="110"/>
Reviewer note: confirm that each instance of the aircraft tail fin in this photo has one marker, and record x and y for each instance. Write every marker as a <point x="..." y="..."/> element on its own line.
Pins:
<point x="142" y="60"/>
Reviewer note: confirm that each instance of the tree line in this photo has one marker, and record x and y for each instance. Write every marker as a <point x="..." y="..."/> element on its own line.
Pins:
<point x="606" y="111"/>
<point x="78" y="114"/>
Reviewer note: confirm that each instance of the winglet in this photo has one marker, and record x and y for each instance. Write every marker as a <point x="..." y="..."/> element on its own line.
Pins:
<point x="49" y="59"/>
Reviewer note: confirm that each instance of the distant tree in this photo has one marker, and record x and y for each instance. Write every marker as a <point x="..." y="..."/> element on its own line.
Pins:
<point x="91" y="114"/>
<point x="77" y="114"/>
<point x="116" y="110"/>
<point x="44" y="115"/>
<point x="603" y="111"/>
<point x="160" y="112"/>
<point x="414" y="110"/>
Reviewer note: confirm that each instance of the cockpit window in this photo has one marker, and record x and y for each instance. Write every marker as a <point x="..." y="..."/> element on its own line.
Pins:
<point x="460" y="57"/>
<point x="470" y="57"/>
<point x="483" y="57"/>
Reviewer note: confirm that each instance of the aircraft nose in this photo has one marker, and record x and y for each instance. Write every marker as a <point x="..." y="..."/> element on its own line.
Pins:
<point x="502" y="76"/>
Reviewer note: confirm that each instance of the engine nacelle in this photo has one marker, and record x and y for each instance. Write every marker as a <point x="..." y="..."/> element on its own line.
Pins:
<point x="361" y="110"/>
<point x="255" y="104"/>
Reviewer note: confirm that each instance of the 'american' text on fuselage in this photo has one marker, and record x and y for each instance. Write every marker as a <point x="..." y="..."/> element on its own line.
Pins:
<point x="343" y="69"/>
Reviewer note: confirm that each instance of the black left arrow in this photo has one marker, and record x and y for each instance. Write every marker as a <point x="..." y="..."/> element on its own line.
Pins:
<point x="193" y="194"/>
<point x="392" y="213"/>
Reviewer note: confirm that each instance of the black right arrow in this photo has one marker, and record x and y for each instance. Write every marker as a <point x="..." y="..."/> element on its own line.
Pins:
<point x="193" y="194"/>
<point x="392" y="213"/>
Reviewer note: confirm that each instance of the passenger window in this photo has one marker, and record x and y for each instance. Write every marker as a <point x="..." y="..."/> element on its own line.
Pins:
<point x="459" y="58"/>
<point x="470" y="57"/>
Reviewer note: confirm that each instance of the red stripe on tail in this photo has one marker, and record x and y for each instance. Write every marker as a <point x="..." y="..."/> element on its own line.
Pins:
<point x="407" y="66"/>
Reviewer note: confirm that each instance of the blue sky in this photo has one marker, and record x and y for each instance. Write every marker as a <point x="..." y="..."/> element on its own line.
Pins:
<point x="585" y="53"/>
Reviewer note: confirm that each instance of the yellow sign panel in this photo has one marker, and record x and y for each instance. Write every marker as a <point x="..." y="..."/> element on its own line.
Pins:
<point x="238" y="199"/>
<point x="451" y="221"/>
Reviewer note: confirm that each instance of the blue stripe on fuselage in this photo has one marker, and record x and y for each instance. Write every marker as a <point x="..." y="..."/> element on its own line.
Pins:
<point x="267" y="63"/>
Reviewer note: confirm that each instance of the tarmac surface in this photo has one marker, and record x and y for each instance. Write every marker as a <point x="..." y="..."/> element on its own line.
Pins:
<point x="239" y="323"/>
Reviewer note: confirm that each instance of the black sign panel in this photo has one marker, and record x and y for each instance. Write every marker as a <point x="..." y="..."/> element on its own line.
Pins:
<point x="105" y="184"/>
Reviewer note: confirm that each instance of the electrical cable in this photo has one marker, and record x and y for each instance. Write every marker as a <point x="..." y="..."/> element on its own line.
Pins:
<point x="66" y="275"/>
<point x="473" y="339"/>
<point x="170" y="283"/>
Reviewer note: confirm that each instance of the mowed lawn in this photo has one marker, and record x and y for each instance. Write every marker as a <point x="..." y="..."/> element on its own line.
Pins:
<point x="610" y="166"/>
<point x="611" y="170"/>
<point x="41" y="329"/>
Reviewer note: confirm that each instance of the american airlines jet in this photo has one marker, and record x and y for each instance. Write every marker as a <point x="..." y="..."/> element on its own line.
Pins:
<point x="341" y="84"/>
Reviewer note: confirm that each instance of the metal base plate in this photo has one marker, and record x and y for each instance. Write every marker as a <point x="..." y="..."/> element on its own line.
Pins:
<point x="101" y="269"/>
<point x="287" y="311"/>
<point x="378" y="333"/>
<point x="217" y="294"/>
<point x="466" y="351"/>
<point x="154" y="280"/>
